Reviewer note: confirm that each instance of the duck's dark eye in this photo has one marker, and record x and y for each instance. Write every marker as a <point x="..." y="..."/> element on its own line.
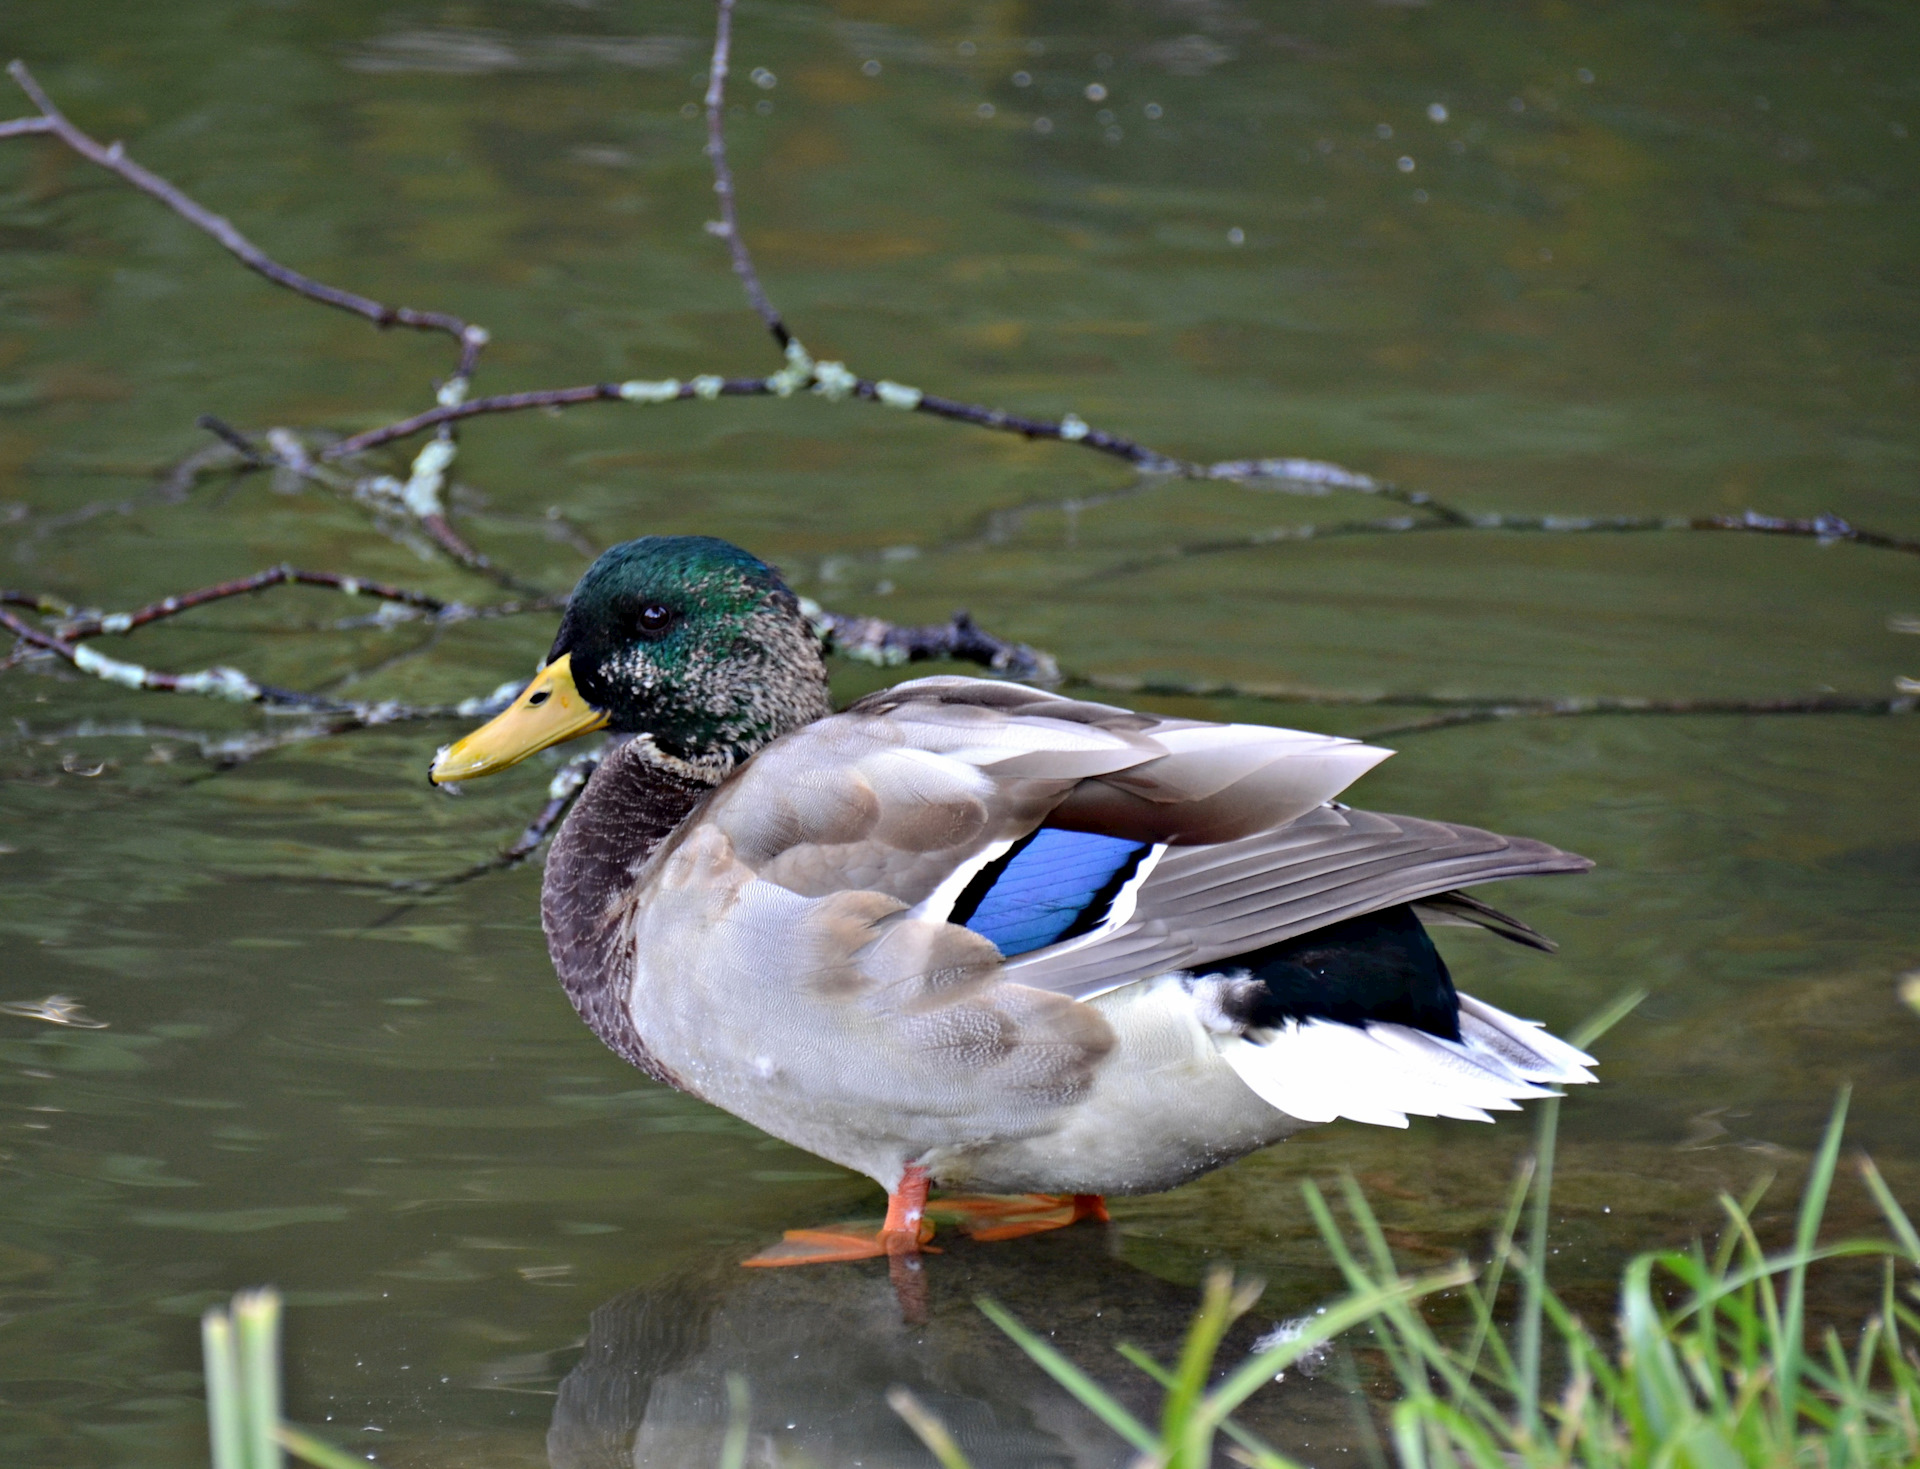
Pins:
<point x="655" y="620"/>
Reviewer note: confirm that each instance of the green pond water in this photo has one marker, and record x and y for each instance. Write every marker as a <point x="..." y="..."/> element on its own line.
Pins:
<point x="1549" y="259"/>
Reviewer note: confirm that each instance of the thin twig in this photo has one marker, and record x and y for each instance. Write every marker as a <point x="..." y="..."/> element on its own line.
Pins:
<point x="515" y="402"/>
<point x="425" y="510"/>
<point x="93" y="625"/>
<point x="1574" y="708"/>
<point x="562" y="791"/>
<point x="871" y="640"/>
<point x="1826" y="529"/>
<point x="1480" y="709"/>
<point x="248" y="451"/>
<point x="230" y="683"/>
<point x="728" y="227"/>
<point x="113" y="157"/>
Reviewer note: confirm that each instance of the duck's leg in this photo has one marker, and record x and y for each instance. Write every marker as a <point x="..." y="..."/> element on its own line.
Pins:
<point x="905" y="1232"/>
<point x="994" y="1217"/>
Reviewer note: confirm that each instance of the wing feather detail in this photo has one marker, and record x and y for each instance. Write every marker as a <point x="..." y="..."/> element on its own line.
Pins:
<point x="1204" y="904"/>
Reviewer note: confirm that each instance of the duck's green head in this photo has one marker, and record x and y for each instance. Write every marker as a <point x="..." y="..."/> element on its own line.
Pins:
<point x="687" y="639"/>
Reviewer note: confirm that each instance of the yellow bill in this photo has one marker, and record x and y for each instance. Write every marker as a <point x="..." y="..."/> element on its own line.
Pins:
<point x="549" y="710"/>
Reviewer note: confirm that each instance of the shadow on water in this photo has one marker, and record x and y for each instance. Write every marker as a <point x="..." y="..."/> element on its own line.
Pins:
<point x="818" y="1348"/>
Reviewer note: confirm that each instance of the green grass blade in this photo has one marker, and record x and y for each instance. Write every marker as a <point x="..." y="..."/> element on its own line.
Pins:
<point x="1470" y="1440"/>
<point x="1190" y="1438"/>
<point x="1598" y="1024"/>
<point x="1813" y="1206"/>
<point x="256" y="1329"/>
<point x="1145" y="1363"/>
<point x="1411" y="1379"/>
<point x="226" y="1417"/>
<point x="733" y="1448"/>
<point x="317" y="1452"/>
<point x="1659" y="1382"/>
<point x="1897" y="1220"/>
<point x="1533" y="1277"/>
<point x="925" y="1424"/>
<point x="1258" y="1452"/>
<point x="1341" y="1316"/>
<point x="1410" y="1434"/>
<point x="1091" y="1395"/>
<point x="1487" y="1297"/>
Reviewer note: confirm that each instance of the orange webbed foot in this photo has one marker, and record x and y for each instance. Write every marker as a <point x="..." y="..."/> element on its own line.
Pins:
<point x="838" y="1243"/>
<point x="990" y="1217"/>
<point x="905" y="1232"/>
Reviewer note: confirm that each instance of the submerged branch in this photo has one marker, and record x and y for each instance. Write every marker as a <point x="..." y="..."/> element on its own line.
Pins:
<point x="1574" y="708"/>
<point x="1481" y="709"/>
<point x="961" y="640"/>
<point x="1826" y="529"/>
<point x="94" y="624"/>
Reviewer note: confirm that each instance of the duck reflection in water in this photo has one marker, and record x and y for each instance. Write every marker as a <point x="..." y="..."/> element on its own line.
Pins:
<point x="819" y="1349"/>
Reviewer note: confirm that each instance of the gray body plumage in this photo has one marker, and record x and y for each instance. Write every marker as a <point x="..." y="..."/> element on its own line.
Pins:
<point x="774" y="938"/>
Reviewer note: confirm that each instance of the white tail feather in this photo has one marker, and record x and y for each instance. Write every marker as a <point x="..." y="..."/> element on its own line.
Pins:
<point x="1526" y="1045"/>
<point x="1317" y="1070"/>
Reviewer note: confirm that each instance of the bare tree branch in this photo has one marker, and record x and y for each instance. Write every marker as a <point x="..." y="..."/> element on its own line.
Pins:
<point x="1573" y="708"/>
<point x="404" y="428"/>
<point x="1479" y="708"/>
<point x="1826" y="529"/>
<point x="962" y="640"/>
<point x="79" y="627"/>
<point x="113" y="157"/>
<point x="728" y="227"/>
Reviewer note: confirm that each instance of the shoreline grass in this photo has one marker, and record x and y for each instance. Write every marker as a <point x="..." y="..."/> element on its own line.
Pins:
<point x="1724" y="1377"/>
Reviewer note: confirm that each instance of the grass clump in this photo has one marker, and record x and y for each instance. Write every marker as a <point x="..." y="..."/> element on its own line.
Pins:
<point x="1710" y="1368"/>
<point x="240" y="1346"/>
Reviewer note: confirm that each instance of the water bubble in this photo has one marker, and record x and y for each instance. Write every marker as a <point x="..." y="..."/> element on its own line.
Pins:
<point x="1043" y="125"/>
<point x="689" y="109"/>
<point x="1325" y="145"/>
<point x="1022" y="79"/>
<point x="1105" y="117"/>
<point x="967" y="48"/>
<point x="1419" y="196"/>
<point x="1236" y="236"/>
<point x="1155" y="112"/>
<point x="1762" y="104"/>
<point x="1383" y="130"/>
<point x="1516" y="104"/>
<point x="1096" y="92"/>
<point x="763" y="78"/>
<point x="1898" y="129"/>
<point x="1584" y="76"/>
<point x="1436" y="112"/>
<point x="764" y="107"/>
<point x="870" y="67"/>
<point x="1113" y="135"/>
<point x="985" y="109"/>
<point x="1404" y="164"/>
<point x="1545" y="253"/>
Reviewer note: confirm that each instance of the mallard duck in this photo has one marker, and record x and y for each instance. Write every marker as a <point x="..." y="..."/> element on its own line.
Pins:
<point x="979" y="936"/>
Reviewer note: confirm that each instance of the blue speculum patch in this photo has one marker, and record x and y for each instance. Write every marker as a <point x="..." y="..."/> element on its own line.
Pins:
<point x="1052" y="886"/>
